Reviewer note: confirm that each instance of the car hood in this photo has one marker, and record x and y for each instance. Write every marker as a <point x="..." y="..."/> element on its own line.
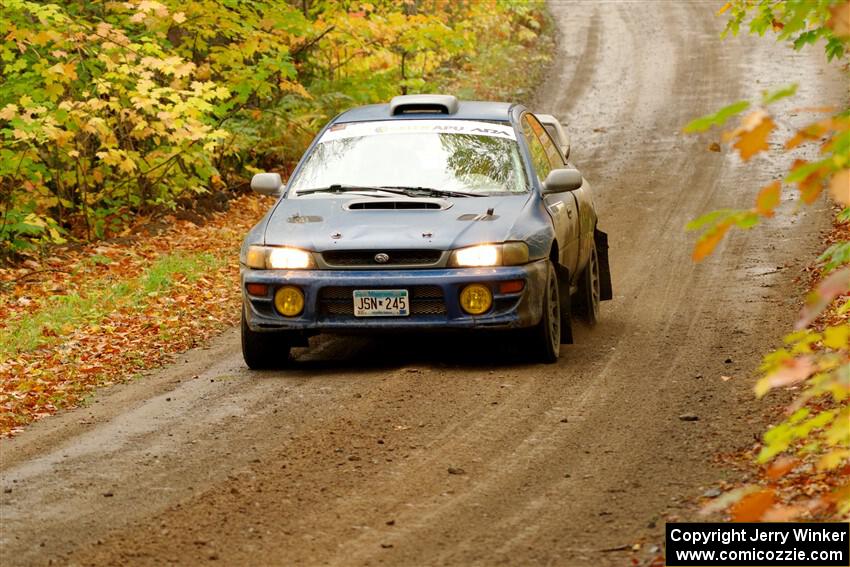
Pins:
<point x="339" y="223"/>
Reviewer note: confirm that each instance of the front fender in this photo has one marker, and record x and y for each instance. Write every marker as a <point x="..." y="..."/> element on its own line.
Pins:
<point x="534" y="227"/>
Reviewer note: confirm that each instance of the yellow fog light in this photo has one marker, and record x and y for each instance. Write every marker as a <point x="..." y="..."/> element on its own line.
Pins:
<point x="289" y="301"/>
<point x="476" y="299"/>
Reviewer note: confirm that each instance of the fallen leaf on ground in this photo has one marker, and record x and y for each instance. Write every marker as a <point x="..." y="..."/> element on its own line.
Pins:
<point x="752" y="507"/>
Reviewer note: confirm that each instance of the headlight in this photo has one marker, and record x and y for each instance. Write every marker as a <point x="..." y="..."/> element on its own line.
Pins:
<point x="484" y="255"/>
<point x="279" y="258"/>
<point x="507" y="254"/>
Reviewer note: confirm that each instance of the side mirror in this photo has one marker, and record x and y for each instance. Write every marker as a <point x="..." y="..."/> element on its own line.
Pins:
<point x="560" y="180"/>
<point x="266" y="183"/>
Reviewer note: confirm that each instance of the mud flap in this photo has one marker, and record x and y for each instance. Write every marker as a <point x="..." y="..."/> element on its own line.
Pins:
<point x="605" y="290"/>
<point x="565" y="299"/>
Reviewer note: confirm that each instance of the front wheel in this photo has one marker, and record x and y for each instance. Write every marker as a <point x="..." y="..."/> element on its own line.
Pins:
<point x="546" y="336"/>
<point x="264" y="350"/>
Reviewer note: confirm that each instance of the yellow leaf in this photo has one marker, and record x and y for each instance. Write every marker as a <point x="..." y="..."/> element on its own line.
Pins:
<point x="179" y="17"/>
<point x="152" y="6"/>
<point x="111" y="157"/>
<point x="768" y="199"/>
<point x="816" y="109"/>
<point x="752" y="136"/>
<point x="839" y="188"/>
<point x="836" y="337"/>
<point x="69" y="70"/>
<point x="127" y="165"/>
<point x="811" y="132"/>
<point x="8" y="112"/>
<point x="54" y="89"/>
<point x="55" y="236"/>
<point x="723" y="8"/>
<point x="709" y="241"/>
<point x="789" y="373"/>
<point x="811" y="186"/>
<point x="833" y="459"/>
<point x="839" y="21"/>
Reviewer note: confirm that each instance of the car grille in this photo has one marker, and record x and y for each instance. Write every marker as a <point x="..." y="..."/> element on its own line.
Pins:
<point x="348" y="258"/>
<point x="424" y="300"/>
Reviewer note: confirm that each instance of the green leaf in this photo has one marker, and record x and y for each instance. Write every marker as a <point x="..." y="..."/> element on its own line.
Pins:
<point x="709" y="219"/>
<point x="803" y="171"/>
<point x="835" y="49"/>
<point x="746" y="219"/>
<point x="835" y="256"/>
<point x="805" y="38"/>
<point x="719" y="118"/>
<point x="771" y="97"/>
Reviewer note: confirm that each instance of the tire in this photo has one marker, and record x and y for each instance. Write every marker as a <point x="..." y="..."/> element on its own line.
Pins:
<point x="263" y="351"/>
<point x="545" y="337"/>
<point x="590" y="289"/>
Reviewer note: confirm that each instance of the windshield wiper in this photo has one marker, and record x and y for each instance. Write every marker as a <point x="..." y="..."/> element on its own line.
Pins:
<point x="396" y="189"/>
<point x="341" y="188"/>
<point x="430" y="191"/>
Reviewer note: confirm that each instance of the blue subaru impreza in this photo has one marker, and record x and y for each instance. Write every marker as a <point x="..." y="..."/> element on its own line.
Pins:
<point x="424" y="213"/>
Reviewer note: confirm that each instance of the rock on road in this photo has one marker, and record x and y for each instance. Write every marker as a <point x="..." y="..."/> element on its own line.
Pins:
<point x="453" y="451"/>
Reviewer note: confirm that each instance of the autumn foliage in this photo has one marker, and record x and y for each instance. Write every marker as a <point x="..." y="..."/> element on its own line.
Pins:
<point x="110" y="109"/>
<point x="806" y="456"/>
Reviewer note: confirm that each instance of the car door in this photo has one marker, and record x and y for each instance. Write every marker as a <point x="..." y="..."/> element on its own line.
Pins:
<point x="562" y="207"/>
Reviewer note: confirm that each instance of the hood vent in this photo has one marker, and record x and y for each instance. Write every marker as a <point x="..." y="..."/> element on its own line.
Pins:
<point x="299" y="219"/>
<point x="479" y="217"/>
<point x="398" y="205"/>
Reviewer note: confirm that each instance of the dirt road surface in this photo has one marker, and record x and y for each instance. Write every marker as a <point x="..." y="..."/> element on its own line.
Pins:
<point x="344" y="460"/>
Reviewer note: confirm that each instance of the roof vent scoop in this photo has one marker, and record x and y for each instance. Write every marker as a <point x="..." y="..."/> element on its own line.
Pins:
<point x="423" y="104"/>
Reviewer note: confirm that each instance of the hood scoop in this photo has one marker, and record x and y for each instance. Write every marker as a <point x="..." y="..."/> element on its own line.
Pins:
<point x="384" y="204"/>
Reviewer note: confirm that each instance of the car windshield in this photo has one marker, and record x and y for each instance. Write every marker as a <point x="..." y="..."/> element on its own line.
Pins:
<point x="461" y="156"/>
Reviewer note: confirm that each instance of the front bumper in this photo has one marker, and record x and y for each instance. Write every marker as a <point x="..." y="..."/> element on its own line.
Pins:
<point x="434" y="295"/>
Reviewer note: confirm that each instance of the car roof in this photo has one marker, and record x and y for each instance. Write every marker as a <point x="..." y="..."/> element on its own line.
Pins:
<point x="449" y="109"/>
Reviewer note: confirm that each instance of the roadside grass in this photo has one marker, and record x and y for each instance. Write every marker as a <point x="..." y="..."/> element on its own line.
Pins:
<point x="103" y="313"/>
<point x="60" y="315"/>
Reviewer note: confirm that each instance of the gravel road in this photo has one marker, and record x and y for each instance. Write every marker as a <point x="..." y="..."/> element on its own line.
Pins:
<point x="449" y="451"/>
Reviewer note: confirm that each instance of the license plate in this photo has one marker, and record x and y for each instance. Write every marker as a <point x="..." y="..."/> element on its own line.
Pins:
<point x="381" y="303"/>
